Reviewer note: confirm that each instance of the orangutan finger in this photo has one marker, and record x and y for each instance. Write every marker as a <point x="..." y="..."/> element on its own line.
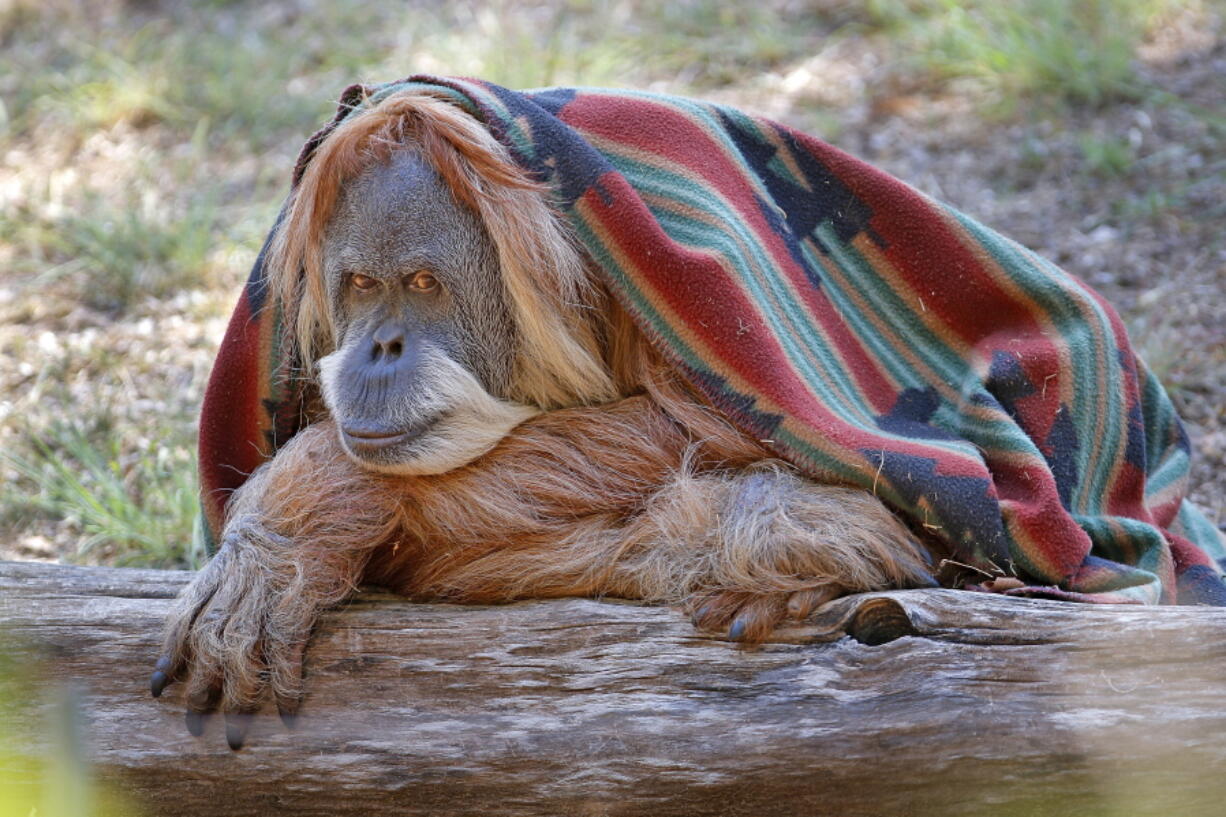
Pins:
<point x="204" y="683"/>
<point x="201" y="701"/>
<point x="176" y="645"/>
<point x="803" y="602"/>
<point x="757" y="619"/>
<point x="714" y="611"/>
<point x="285" y="678"/>
<point x="238" y="724"/>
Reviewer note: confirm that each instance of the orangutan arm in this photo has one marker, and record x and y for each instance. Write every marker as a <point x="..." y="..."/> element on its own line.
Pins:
<point x="300" y="532"/>
<point x="297" y="537"/>
<point x="620" y="500"/>
<point x="625" y="500"/>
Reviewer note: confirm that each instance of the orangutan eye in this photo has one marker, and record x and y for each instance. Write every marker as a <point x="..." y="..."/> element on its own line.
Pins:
<point x="363" y="282"/>
<point x="422" y="281"/>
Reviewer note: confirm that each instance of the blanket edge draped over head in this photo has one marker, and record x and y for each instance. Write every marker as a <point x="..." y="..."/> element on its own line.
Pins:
<point x="864" y="332"/>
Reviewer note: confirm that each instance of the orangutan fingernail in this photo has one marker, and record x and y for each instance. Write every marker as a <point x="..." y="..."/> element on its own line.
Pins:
<point x="237" y="724"/>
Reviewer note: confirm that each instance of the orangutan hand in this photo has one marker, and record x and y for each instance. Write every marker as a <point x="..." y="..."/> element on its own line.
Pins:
<point x="751" y="617"/>
<point x="238" y="631"/>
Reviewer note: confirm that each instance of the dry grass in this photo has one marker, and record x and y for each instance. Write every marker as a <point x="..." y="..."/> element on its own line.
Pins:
<point x="145" y="145"/>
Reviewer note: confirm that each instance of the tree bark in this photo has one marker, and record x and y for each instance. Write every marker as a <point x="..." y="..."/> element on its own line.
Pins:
<point x="931" y="702"/>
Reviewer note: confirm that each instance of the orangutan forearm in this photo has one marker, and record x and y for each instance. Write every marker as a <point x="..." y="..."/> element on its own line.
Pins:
<point x="621" y="500"/>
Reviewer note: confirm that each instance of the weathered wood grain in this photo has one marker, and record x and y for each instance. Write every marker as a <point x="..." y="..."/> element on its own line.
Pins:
<point x="966" y="704"/>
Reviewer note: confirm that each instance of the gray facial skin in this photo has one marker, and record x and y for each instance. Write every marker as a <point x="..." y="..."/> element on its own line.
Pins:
<point x="417" y="378"/>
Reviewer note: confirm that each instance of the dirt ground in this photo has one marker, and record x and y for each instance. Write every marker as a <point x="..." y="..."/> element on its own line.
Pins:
<point x="130" y="209"/>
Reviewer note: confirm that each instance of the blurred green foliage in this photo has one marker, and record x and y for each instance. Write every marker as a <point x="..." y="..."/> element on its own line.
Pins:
<point x="136" y="506"/>
<point x="46" y="774"/>
<point x="1107" y="156"/>
<point x="1027" y="53"/>
<point x="115" y="255"/>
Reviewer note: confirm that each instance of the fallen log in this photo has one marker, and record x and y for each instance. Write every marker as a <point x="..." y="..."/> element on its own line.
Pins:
<point x="914" y="702"/>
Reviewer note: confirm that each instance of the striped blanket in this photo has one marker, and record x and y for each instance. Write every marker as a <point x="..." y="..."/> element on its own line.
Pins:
<point x="866" y="333"/>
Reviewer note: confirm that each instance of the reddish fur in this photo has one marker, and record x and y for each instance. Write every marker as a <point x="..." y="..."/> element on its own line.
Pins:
<point x="556" y="476"/>
<point x="551" y="511"/>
